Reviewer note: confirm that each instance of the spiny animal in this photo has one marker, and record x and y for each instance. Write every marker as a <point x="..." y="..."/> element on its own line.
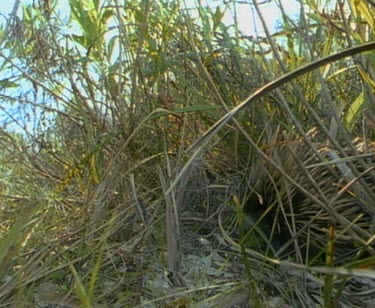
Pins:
<point x="328" y="200"/>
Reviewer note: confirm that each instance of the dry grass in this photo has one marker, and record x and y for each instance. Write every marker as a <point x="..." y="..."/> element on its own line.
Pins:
<point x="143" y="182"/>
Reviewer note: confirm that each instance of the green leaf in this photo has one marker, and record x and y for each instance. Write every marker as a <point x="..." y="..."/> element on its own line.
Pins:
<point x="6" y="83"/>
<point x="86" y="15"/>
<point x="57" y="275"/>
<point x="80" y="289"/>
<point x="111" y="45"/>
<point x="8" y="242"/>
<point x="361" y="8"/>
<point x="106" y="15"/>
<point x="217" y="18"/>
<point x="96" y="4"/>
<point x="82" y="40"/>
<point x="354" y="111"/>
<point x="315" y="17"/>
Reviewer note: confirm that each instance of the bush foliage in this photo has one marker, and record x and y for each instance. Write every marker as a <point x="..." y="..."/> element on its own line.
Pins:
<point x="128" y="178"/>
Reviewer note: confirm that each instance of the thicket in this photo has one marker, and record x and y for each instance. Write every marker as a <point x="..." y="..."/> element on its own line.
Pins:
<point x="131" y="154"/>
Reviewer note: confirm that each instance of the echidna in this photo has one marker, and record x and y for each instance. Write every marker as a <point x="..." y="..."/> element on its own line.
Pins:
<point x="332" y="190"/>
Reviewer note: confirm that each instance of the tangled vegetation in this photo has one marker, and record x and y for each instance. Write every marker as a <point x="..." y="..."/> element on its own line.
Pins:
<point x="136" y="170"/>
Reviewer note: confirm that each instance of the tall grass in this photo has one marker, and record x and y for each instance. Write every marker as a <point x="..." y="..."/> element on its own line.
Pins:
<point x="129" y="144"/>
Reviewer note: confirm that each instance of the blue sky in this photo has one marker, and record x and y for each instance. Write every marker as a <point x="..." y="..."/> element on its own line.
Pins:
<point x="5" y="8"/>
<point x="247" y="21"/>
<point x="246" y="15"/>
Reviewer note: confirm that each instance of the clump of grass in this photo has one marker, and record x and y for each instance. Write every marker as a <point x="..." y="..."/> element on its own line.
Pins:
<point x="120" y="191"/>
